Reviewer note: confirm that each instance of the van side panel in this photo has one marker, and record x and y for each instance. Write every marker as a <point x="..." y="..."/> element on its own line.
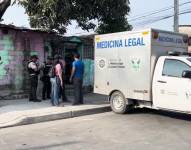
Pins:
<point x="122" y="62"/>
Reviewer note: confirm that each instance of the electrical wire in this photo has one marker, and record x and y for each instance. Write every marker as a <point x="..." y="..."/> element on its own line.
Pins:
<point x="160" y="18"/>
<point x="161" y="9"/>
<point x="135" y="20"/>
<point x="156" y="12"/>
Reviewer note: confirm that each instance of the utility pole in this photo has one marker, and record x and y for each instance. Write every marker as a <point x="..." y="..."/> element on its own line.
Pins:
<point x="176" y="15"/>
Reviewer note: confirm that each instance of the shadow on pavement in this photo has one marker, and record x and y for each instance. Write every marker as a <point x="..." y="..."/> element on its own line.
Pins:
<point x="174" y="115"/>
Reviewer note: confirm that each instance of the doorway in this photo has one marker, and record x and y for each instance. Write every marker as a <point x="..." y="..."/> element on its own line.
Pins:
<point x="69" y="53"/>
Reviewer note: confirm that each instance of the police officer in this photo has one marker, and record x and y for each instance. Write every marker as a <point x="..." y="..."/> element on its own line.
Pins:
<point x="33" y="70"/>
<point x="46" y="79"/>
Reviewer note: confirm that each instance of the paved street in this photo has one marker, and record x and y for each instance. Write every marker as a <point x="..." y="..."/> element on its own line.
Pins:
<point x="141" y="129"/>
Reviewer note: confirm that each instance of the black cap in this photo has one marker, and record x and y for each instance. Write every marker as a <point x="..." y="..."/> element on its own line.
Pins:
<point x="34" y="56"/>
<point x="50" y="58"/>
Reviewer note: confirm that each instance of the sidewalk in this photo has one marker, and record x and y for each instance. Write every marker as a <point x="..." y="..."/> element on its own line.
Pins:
<point x="22" y="112"/>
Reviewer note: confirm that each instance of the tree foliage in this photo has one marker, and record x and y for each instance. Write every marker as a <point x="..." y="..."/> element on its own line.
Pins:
<point x="4" y="4"/>
<point x="104" y="16"/>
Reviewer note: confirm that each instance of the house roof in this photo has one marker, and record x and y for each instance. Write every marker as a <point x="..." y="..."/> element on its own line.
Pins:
<point x="13" y="27"/>
<point x="73" y="39"/>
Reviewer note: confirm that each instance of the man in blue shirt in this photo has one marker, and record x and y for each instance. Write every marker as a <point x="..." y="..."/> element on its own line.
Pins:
<point x="77" y="78"/>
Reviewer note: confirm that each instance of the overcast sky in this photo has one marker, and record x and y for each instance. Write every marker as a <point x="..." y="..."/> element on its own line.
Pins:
<point x="139" y="8"/>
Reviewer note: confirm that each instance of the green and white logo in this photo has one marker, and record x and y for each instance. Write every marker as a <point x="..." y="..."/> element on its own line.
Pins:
<point x="136" y="64"/>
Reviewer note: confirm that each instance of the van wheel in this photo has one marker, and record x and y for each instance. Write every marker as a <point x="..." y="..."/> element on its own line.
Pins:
<point x="118" y="103"/>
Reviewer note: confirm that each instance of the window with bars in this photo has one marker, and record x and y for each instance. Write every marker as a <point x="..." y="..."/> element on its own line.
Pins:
<point x="88" y="52"/>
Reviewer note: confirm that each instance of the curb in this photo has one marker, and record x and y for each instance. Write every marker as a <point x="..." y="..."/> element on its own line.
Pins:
<point x="52" y="117"/>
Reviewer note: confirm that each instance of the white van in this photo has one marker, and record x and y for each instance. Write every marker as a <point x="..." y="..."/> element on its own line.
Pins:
<point x="135" y="70"/>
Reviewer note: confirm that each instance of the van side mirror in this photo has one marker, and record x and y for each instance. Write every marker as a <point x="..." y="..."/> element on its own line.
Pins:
<point x="186" y="74"/>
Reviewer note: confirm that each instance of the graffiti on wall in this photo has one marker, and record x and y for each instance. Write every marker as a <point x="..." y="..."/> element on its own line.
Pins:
<point x="6" y="45"/>
<point x="13" y="70"/>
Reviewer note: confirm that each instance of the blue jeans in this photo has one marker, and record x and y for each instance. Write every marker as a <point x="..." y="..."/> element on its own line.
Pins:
<point x="55" y="91"/>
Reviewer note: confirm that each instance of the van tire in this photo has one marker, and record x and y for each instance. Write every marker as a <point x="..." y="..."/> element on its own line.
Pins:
<point x="118" y="103"/>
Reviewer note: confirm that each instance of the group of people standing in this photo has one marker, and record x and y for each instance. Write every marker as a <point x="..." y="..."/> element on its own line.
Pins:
<point x="53" y="74"/>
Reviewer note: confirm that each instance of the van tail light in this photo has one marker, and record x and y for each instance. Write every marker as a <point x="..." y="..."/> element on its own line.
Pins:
<point x="155" y="35"/>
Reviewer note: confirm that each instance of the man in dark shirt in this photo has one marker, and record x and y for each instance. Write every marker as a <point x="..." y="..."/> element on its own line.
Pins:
<point x="77" y="78"/>
<point x="46" y="79"/>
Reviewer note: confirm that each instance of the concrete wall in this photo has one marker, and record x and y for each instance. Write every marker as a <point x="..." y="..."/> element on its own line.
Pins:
<point x="15" y="49"/>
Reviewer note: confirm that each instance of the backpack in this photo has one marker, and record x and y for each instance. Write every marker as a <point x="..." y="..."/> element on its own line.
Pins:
<point x="53" y="72"/>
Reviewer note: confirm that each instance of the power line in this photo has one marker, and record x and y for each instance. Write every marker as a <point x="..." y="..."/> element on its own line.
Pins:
<point x="153" y="20"/>
<point x="156" y="19"/>
<point x="156" y="12"/>
<point x="161" y="9"/>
